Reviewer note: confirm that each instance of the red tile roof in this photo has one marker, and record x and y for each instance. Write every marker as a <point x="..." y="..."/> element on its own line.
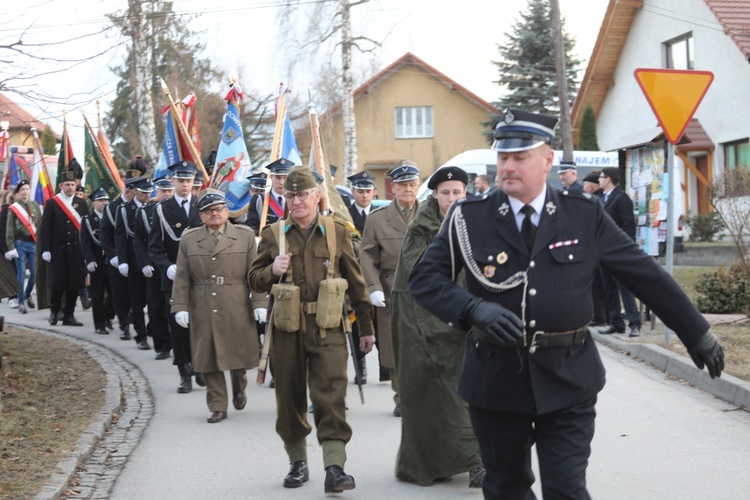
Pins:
<point x="699" y="139"/>
<point x="734" y="16"/>
<point x="18" y="117"/>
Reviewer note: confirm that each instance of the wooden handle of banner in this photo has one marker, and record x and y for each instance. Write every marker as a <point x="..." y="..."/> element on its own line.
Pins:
<point x="278" y="137"/>
<point x="318" y="150"/>
<point x="184" y="132"/>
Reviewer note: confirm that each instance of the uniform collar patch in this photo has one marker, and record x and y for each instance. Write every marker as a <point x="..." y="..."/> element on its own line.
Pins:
<point x="503" y="209"/>
<point x="550" y="207"/>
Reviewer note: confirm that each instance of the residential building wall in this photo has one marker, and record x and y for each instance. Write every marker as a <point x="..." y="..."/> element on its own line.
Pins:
<point x="457" y="125"/>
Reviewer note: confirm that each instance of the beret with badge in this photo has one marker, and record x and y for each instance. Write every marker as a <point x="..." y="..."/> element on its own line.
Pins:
<point x="447" y="174"/>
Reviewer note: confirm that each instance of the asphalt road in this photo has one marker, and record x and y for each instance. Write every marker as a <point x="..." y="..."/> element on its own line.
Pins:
<point x="657" y="437"/>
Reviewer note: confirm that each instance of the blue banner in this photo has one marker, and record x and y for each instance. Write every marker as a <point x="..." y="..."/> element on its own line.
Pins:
<point x="289" y="148"/>
<point x="233" y="163"/>
<point x="171" y="151"/>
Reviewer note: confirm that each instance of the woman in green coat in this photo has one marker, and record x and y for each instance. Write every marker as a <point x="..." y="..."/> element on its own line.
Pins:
<point x="437" y="441"/>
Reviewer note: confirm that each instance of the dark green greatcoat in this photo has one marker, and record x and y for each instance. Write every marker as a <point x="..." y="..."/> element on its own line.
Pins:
<point x="437" y="440"/>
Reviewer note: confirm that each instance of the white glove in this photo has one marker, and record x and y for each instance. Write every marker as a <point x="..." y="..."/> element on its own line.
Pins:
<point x="377" y="298"/>
<point x="148" y="271"/>
<point x="114" y="261"/>
<point x="260" y="314"/>
<point x="47" y="256"/>
<point x="182" y="318"/>
<point x="257" y="242"/>
<point x="91" y="266"/>
<point x="172" y="271"/>
<point x="11" y="254"/>
<point x="123" y="268"/>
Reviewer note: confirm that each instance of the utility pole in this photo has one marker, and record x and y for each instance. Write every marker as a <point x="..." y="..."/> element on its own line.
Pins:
<point x="566" y="128"/>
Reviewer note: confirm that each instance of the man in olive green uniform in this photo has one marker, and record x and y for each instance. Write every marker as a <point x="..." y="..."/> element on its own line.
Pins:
<point x="381" y="245"/>
<point x="310" y="353"/>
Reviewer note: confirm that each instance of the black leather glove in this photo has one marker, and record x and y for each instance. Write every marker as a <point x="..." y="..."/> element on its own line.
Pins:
<point x="496" y="324"/>
<point x="708" y="352"/>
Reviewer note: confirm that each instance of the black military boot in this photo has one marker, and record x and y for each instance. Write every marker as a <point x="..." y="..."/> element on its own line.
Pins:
<point x="337" y="480"/>
<point x="199" y="378"/>
<point x="298" y="474"/>
<point x="186" y="384"/>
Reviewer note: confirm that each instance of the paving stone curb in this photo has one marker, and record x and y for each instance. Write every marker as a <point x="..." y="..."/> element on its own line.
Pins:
<point x="104" y="447"/>
<point x="727" y="387"/>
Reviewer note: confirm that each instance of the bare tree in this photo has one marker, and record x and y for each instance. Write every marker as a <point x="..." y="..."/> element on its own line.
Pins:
<point x="143" y="79"/>
<point x="25" y="60"/>
<point x="329" y="23"/>
<point x="728" y="194"/>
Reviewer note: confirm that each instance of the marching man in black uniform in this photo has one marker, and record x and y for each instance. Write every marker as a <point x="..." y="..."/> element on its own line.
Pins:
<point x="363" y="187"/>
<point x="117" y="282"/>
<point x="96" y="263"/>
<point x="128" y="265"/>
<point x="61" y="248"/>
<point x="531" y="374"/>
<point x="158" y="315"/>
<point x="174" y="216"/>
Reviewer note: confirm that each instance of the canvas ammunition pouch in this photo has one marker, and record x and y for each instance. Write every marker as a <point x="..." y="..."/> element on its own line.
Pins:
<point x="287" y="307"/>
<point x="331" y="291"/>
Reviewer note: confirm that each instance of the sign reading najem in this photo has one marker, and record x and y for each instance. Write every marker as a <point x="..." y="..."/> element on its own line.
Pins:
<point x="673" y="95"/>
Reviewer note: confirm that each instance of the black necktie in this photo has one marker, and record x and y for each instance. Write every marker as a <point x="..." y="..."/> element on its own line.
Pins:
<point x="281" y="201"/>
<point x="364" y="216"/>
<point x="528" y="229"/>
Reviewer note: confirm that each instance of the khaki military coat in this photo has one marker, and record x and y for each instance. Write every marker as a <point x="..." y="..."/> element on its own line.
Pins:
<point x="378" y="256"/>
<point x="211" y="284"/>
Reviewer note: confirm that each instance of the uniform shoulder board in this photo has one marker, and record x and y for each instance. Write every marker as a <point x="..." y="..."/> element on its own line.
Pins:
<point x="379" y="209"/>
<point x="241" y="227"/>
<point x="190" y="230"/>
<point x="473" y="199"/>
<point x="577" y="195"/>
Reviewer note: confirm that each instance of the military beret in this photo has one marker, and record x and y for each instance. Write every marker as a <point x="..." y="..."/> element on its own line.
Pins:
<point x="447" y="174"/>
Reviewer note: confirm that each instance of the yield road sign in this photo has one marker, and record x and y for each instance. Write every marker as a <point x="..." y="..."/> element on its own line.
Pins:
<point x="673" y="95"/>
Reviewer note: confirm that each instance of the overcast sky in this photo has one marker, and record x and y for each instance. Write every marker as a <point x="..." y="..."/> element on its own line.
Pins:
<point x="457" y="38"/>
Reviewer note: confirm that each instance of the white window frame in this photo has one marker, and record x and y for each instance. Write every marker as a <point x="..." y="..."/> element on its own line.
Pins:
<point x="414" y="122"/>
<point x="687" y="58"/>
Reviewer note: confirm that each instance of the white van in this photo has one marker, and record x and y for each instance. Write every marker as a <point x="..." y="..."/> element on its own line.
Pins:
<point x="484" y="161"/>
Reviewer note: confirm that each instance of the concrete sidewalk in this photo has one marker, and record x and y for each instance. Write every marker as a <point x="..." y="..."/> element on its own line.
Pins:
<point x="150" y="442"/>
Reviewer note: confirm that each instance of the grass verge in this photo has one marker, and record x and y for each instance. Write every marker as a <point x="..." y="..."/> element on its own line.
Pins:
<point x="50" y="391"/>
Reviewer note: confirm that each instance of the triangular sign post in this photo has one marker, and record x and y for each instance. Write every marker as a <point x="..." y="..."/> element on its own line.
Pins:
<point x="673" y="95"/>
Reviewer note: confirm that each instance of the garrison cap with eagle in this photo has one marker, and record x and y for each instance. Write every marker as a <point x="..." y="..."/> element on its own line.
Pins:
<point x="403" y="172"/>
<point x="447" y="174"/>
<point x="520" y="131"/>
<point x="183" y="169"/>
<point x="362" y="180"/>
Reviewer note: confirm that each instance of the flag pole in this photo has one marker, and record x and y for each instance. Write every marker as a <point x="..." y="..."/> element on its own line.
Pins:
<point x="183" y="130"/>
<point x="278" y="140"/>
<point x="318" y="152"/>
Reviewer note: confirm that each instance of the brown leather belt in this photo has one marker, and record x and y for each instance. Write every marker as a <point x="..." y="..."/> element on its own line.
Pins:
<point x="540" y="339"/>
